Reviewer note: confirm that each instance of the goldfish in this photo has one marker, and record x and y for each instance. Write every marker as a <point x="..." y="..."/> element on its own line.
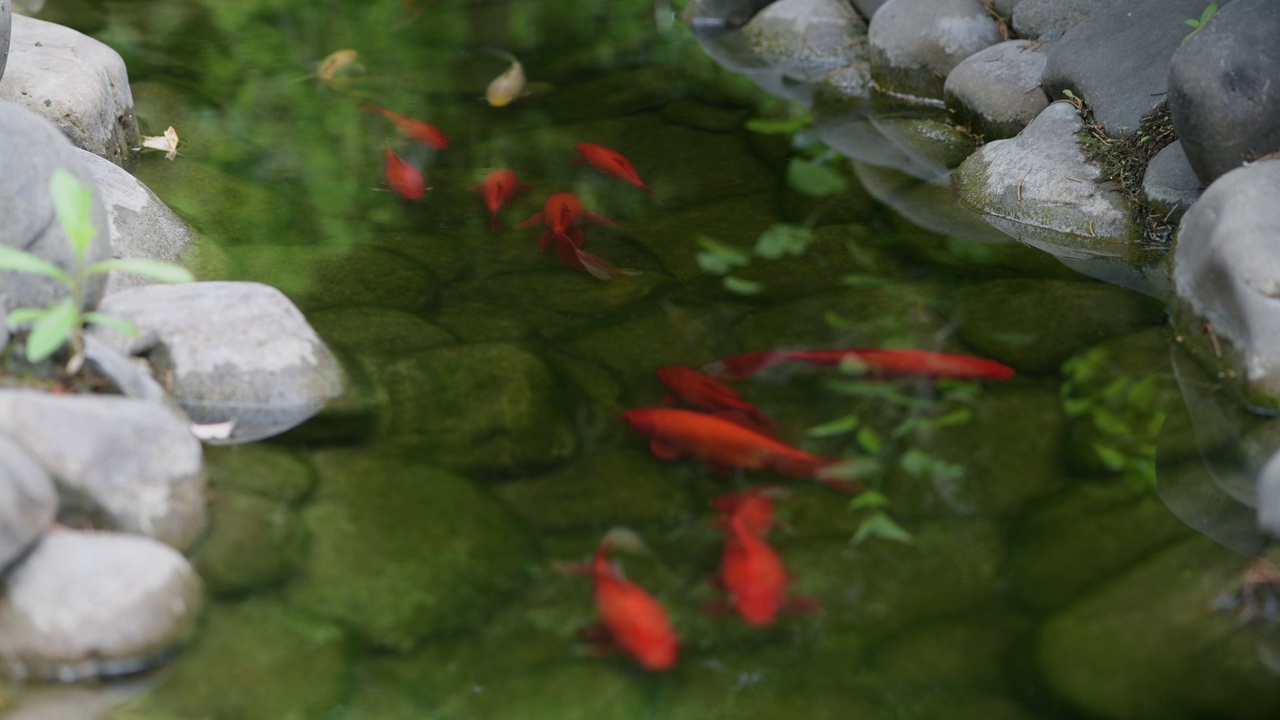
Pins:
<point x="633" y="619"/>
<point x="753" y="506"/>
<point x="507" y="87"/>
<point x="563" y="213"/>
<point x="702" y="391"/>
<point x="418" y="130"/>
<point x="752" y="574"/>
<point x="611" y="162"/>
<point x="876" y="363"/>
<point x="675" y="433"/>
<point x="404" y="178"/>
<point x="497" y="188"/>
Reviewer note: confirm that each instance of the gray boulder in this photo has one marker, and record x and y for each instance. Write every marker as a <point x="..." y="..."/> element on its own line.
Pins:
<point x="915" y="43"/>
<point x="1171" y="186"/>
<point x="806" y="39"/>
<point x="1268" y="497"/>
<point x="716" y="16"/>
<point x="1033" y="18"/>
<point x="6" y="26"/>
<point x="119" y="463"/>
<point x="1223" y="95"/>
<point x="76" y="82"/>
<point x="95" y="604"/>
<point x="1225" y="271"/>
<point x="28" y="501"/>
<point x="139" y="224"/>
<point x="30" y="150"/>
<point x="229" y="351"/>
<point x="1117" y="59"/>
<point x="1040" y="188"/>
<point x="868" y="8"/>
<point x="997" y="91"/>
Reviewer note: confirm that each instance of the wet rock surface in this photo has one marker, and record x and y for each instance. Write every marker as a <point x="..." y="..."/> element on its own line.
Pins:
<point x="1033" y="18"/>
<point x="996" y="90"/>
<point x="28" y="501"/>
<point x="1170" y="184"/>
<point x="83" y="605"/>
<point x="808" y="38"/>
<point x="1222" y="96"/>
<point x="915" y="43"/>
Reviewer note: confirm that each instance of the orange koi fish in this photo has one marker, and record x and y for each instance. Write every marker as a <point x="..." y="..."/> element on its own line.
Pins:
<point x="676" y="433"/>
<point x="877" y="363"/>
<point x="497" y="188"/>
<point x="753" y="506"/>
<point x="561" y="213"/>
<point x="702" y="391"/>
<point x="752" y="574"/>
<point x="404" y="179"/>
<point x="633" y="619"/>
<point x="428" y="135"/>
<point x="611" y="162"/>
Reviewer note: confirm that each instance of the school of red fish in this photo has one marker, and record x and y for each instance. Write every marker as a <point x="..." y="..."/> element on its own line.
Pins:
<point x="701" y="417"/>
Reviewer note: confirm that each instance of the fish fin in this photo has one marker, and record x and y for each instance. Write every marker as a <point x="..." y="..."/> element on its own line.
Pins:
<point x="664" y="451"/>
<point x="598" y="267"/>
<point x="668" y="399"/>
<point x="537" y="219"/>
<point x="494" y="225"/>
<point x="596" y="219"/>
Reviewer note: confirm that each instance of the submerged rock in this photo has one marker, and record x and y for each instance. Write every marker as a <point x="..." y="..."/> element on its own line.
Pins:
<point x="263" y="469"/>
<point x="915" y="43"/>
<point x="1225" y="271"/>
<point x="1040" y="188"/>
<point x="229" y="351"/>
<point x="1223" y="94"/>
<point x="492" y="408"/>
<point x="28" y="501"/>
<point x="1147" y="645"/>
<point x="402" y="551"/>
<point x="997" y="90"/>
<point x="135" y="466"/>
<point x="253" y="542"/>
<point x="95" y="604"/>
<point x="77" y="83"/>
<point x="316" y="278"/>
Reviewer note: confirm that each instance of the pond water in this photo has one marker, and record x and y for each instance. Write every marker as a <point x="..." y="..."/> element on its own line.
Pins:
<point x="395" y="557"/>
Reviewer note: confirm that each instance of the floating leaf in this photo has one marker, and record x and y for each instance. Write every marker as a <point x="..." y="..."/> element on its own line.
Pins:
<point x="783" y="239"/>
<point x="882" y="526"/>
<point x="839" y="426"/>
<point x="814" y="179"/>
<point x="735" y="284"/>
<point x="869" y="500"/>
<point x="153" y="269"/>
<point x="167" y="142"/>
<point x="52" y="330"/>
<point x="718" y="258"/>
<point x="21" y="261"/>
<point x="869" y="440"/>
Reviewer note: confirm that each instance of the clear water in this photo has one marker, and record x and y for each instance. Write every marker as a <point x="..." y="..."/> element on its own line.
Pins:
<point x="394" y="558"/>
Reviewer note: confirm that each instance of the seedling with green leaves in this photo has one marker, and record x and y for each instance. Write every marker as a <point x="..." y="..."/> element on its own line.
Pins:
<point x="63" y="321"/>
<point x="1199" y="24"/>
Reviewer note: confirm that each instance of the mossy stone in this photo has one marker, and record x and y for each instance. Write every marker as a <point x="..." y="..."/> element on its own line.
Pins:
<point x="571" y="294"/>
<point x="449" y="256"/>
<point x="836" y="253"/>
<point x="253" y="542"/>
<point x="764" y="686"/>
<point x="964" y="655"/>
<point x="316" y="278"/>
<point x="221" y="676"/>
<point x="478" y="322"/>
<point x="701" y="116"/>
<point x="1147" y="646"/>
<point x="901" y="314"/>
<point x="1034" y="325"/>
<point x="273" y="472"/>
<point x="928" y="140"/>
<point x="349" y="418"/>
<point x="636" y="343"/>
<point x="402" y="551"/>
<point x="609" y="487"/>
<point x="486" y="408"/>
<point x="617" y="93"/>
<point x="378" y="331"/>
<point x="1112" y="524"/>
<point x="565" y="691"/>
<point x="673" y="236"/>
<point x="227" y="209"/>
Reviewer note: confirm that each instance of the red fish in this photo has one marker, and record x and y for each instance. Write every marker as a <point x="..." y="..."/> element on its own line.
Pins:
<point x="877" y="363"/>
<point x="702" y="391"/>
<point x="633" y="620"/>
<point x="752" y="574"/>
<point x="563" y="214"/>
<point x="428" y="135"/>
<point x="497" y="188"/>
<point x="753" y="506"/>
<point x="611" y="162"/>
<point x="404" y="178"/>
<point x="676" y="433"/>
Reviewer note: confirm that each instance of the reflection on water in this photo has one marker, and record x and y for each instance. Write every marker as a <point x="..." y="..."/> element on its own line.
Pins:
<point x="393" y="558"/>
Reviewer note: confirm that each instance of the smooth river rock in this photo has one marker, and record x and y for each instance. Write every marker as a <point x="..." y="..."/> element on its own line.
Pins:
<point x="915" y="43"/>
<point x="997" y="90"/>
<point x="95" y="604"/>
<point x="28" y="501"/>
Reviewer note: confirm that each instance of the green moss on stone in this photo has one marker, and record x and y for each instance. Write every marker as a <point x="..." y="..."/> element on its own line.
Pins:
<point x="253" y="542"/>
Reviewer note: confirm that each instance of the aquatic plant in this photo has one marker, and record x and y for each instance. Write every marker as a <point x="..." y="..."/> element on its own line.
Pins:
<point x="63" y="321"/>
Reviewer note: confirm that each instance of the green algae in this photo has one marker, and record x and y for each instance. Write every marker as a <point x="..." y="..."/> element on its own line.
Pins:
<point x="253" y="542"/>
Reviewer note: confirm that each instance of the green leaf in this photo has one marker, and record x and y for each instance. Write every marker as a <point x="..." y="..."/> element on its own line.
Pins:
<point x="51" y="331"/>
<point x="915" y="461"/>
<point x="839" y="426"/>
<point x="124" y="326"/>
<point x="154" y="269"/>
<point x="882" y="526"/>
<point x="1114" y="459"/>
<point x="869" y="500"/>
<point x="720" y="259"/>
<point x="22" y="316"/>
<point x="73" y="204"/>
<point x="777" y="126"/>
<point x="810" y="178"/>
<point x="958" y="416"/>
<point x="22" y="261"/>
<point x="833" y="319"/>
<point x="735" y="284"/>
<point x="869" y="440"/>
<point x="782" y="239"/>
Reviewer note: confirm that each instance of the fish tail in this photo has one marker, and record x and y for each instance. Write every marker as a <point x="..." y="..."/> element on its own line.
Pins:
<point x="494" y="225"/>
